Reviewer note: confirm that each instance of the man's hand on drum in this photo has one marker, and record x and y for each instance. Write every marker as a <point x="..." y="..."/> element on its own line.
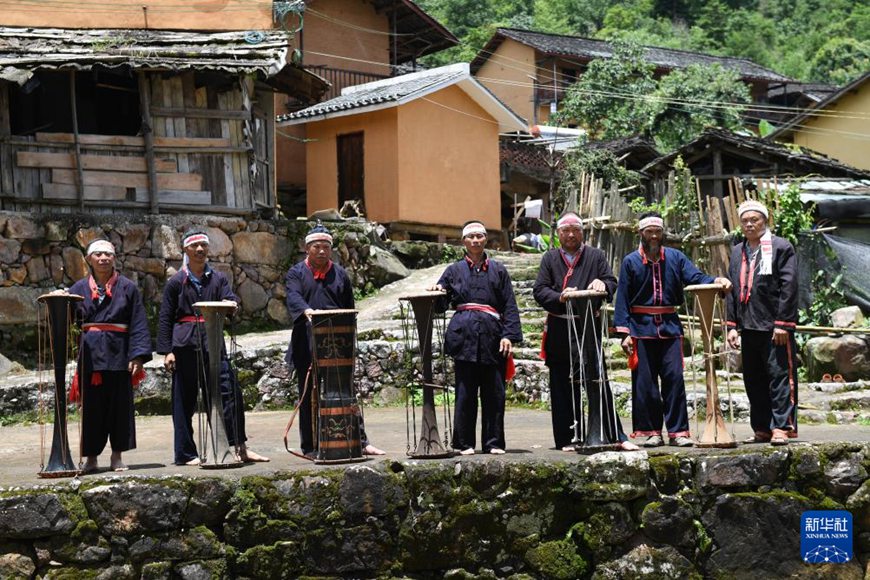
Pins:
<point x="597" y="285"/>
<point x="627" y="345"/>
<point x="504" y="347"/>
<point x="169" y="362"/>
<point x="435" y="288"/>
<point x="725" y="283"/>
<point x="562" y="297"/>
<point x="308" y="312"/>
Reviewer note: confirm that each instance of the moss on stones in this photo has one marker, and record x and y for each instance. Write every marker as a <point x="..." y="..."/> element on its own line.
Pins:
<point x="557" y="560"/>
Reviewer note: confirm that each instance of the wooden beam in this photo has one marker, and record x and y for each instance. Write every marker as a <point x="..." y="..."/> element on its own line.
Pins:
<point x="96" y="162"/>
<point x="197" y="113"/>
<point x="90" y="192"/>
<point x="175" y="181"/>
<point x="137" y="141"/>
<point x="178" y="197"/>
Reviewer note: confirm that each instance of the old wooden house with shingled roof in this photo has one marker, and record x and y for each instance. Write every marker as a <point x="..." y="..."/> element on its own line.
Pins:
<point x="118" y="113"/>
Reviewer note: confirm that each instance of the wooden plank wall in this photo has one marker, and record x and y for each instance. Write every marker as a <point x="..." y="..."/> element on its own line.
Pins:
<point x="204" y="141"/>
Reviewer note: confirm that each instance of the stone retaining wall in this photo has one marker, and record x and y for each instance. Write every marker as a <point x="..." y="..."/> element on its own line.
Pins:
<point x="43" y="252"/>
<point x="611" y="515"/>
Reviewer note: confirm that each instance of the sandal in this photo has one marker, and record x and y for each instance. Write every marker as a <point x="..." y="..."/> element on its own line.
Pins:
<point x="759" y="437"/>
<point x="780" y="437"/>
<point x="838" y="378"/>
<point x="826" y="378"/>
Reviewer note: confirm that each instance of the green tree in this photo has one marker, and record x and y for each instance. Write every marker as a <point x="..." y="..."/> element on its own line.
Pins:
<point x="689" y="100"/>
<point x="609" y="99"/>
<point x="841" y="60"/>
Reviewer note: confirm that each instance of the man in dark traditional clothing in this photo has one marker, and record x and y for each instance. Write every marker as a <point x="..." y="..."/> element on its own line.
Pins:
<point x="762" y="314"/>
<point x="480" y="339"/>
<point x="316" y="283"/>
<point x="181" y="338"/>
<point x="575" y="266"/>
<point x="115" y="343"/>
<point x="650" y="290"/>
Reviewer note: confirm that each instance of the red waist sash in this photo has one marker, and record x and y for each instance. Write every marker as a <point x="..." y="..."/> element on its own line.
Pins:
<point x="653" y="309"/>
<point x="104" y="327"/>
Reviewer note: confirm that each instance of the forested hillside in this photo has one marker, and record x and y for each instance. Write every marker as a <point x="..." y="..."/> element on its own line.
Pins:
<point x="810" y="40"/>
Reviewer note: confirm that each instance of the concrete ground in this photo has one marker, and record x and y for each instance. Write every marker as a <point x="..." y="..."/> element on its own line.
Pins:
<point x="528" y="432"/>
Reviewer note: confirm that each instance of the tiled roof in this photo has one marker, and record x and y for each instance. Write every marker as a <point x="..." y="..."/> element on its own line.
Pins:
<point x="586" y="49"/>
<point x="790" y="158"/>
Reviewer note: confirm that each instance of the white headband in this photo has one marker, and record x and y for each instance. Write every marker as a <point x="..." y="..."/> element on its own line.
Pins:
<point x="650" y="222"/>
<point x="569" y="219"/>
<point x="473" y="228"/>
<point x="101" y="246"/>
<point x="751" y="205"/>
<point x="318" y="237"/>
<point x="194" y="239"/>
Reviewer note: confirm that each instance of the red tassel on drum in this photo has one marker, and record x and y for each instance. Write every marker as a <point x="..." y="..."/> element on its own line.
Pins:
<point x="138" y="377"/>
<point x="74" y="395"/>
<point x="543" y="354"/>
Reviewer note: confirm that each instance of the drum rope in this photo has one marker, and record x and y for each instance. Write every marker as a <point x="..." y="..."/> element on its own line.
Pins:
<point x="692" y="345"/>
<point x="41" y="340"/>
<point x="576" y="393"/>
<point x="409" y="395"/>
<point x="75" y="353"/>
<point x="441" y="329"/>
<point x="605" y="366"/>
<point x="237" y="395"/>
<point x="203" y="424"/>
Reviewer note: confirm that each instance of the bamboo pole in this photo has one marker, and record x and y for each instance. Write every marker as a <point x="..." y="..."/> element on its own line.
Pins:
<point x="148" y="136"/>
<point x="80" y="174"/>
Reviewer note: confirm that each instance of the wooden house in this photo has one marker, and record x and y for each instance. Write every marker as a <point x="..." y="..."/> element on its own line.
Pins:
<point x="530" y="71"/>
<point x="837" y="126"/>
<point x="420" y="151"/>
<point x="719" y="155"/>
<point x="142" y="121"/>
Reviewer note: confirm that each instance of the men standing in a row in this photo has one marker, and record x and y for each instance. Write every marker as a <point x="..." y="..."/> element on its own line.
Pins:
<point x="181" y="338"/>
<point x="575" y="266"/>
<point x="115" y="343"/>
<point x="762" y="313"/>
<point x="316" y="283"/>
<point x="479" y="338"/>
<point x="650" y="290"/>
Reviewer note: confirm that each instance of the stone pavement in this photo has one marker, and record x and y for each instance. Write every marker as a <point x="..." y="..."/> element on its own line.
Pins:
<point x="529" y="436"/>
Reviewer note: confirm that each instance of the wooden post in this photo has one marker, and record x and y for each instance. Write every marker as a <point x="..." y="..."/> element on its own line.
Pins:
<point x="148" y="136"/>
<point x="717" y="173"/>
<point x="7" y="184"/>
<point x="80" y="174"/>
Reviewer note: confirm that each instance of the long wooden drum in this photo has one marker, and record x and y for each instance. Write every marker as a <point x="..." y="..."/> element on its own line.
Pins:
<point x="338" y="414"/>
<point x="715" y="432"/>
<point x="59" y="315"/>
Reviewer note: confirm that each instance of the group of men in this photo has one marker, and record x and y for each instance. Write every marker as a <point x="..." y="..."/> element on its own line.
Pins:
<point x="481" y="335"/>
<point x="761" y="315"/>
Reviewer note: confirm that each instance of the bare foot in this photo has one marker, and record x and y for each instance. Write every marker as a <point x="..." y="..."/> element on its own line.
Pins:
<point x="194" y="462"/>
<point x="248" y="456"/>
<point x="569" y="448"/>
<point x="496" y="451"/>
<point x="90" y="466"/>
<point x="372" y="450"/>
<point x="469" y="451"/>
<point x="116" y="463"/>
<point x="628" y="446"/>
